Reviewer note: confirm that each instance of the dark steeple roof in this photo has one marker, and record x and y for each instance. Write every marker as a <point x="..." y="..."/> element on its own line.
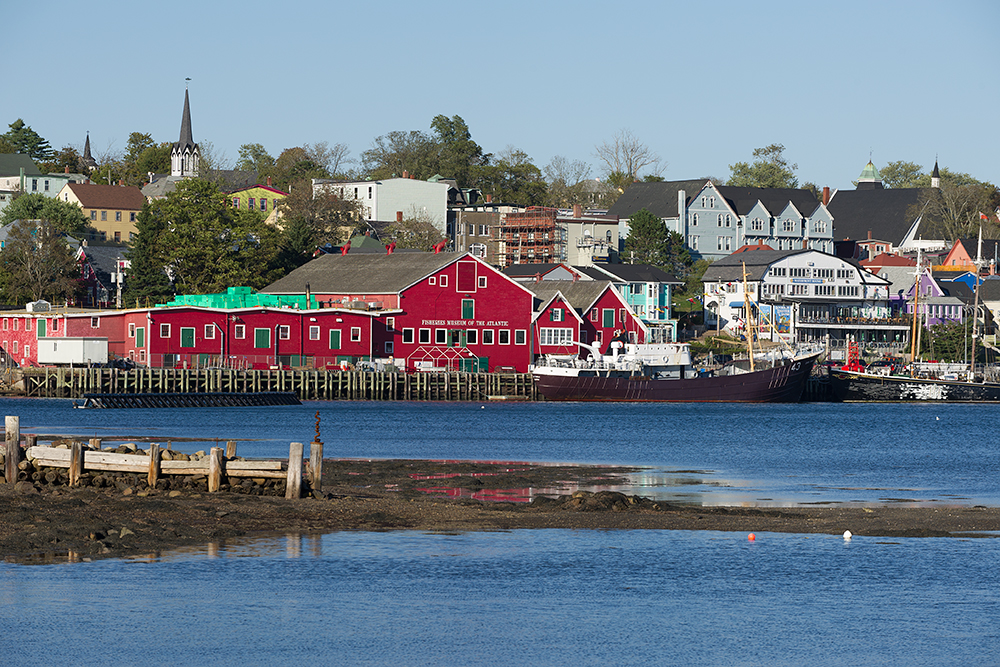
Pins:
<point x="935" y="173"/>
<point x="186" y="140"/>
<point x="88" y="160"/>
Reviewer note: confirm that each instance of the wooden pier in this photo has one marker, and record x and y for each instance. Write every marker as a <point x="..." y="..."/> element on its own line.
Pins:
<point x="215" y="399"/>
<point x="305" y="384"/>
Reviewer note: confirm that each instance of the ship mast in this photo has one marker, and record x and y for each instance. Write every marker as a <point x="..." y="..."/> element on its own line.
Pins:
<point x="751" y="326"/>
<point x="975" y="307"/>
<point x="915" y="331"/>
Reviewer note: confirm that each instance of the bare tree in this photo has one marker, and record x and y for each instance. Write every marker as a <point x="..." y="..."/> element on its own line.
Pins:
<point x="332" y="158"/>
<point x="954" y="210"/>
<point x="565" y="179"/>
<point x="625" y="156"/>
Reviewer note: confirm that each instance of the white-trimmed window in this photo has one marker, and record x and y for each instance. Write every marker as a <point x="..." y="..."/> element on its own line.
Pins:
<point x="355" y="334"/>
<point x="557" y="315"/>
<point x="313" y="332"/>
<point x="262" y="338"/>
<point x="442" y="280"/>
<point x="131" y="329"/>
<point x="95" y="323"/>
<point x="407" y="336"/>
<point x="164" y="331"/>
<point x="440" y="336"/>
<point x="27" y="324"/>
<point x="432" y="281"/>
<point x="285" y="332"/>
<point x="482" y="281"/>
<point x="209" y="331"/>
<point x="14" y="348"/>
<point x="487" y="336"/>
<point x="504" y="337"/>
<point x="240" y="331"/>
<point x="390" y="323"/>
<point x="520" y="337"/>
<point x="553" y="336"/>
<point x="425" y="336"/>
<point x="388" y="347"/>
<point x="471" y="336"/>
<point x="27" y="350"/>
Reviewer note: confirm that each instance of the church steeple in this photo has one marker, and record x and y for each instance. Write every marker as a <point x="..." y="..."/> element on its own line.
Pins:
<point x="87" y="161"/>
<point x="935" y="176"/>
<point x="184" y="155"/>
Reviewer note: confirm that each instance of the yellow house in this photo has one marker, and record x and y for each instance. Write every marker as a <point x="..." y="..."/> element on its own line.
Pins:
<point x="111" y="209"/>
<point x="261" y="198"/>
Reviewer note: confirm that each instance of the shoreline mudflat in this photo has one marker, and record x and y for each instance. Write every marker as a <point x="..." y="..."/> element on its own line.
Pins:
<point x="51" y="521"/>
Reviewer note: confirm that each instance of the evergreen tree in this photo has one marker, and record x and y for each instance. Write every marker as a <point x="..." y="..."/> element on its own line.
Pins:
<point x="146" y="279"/>
<point x="27" y="141"/>
<point x="649" y="242"/>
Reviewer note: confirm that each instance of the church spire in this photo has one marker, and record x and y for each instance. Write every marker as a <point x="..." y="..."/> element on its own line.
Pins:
<point x="88" y="161"/>
<point x="869" y="178"/>
<point x="935" y="175"/>
<point x="184" y="155"/>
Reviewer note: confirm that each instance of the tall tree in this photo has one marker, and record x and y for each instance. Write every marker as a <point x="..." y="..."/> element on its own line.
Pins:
<point x="625" y="156"/>
<point x="66" y="158"/>
<point x="954" y="209"/>
<point x="649" y="242"/>
<point x="458" y="154"/>
<point x="207" y="245"/>
<point x="566" y="181"/>
<point x="296" y="164"/>
<point x="393" y="153"/>
<point x="312" y="219"/>
<point x="64" y="217"/>
<point x="902" y="174"/>
<point x="512" y="178"/>
<point x="38" y="263"/>
<point x="416" y="231"/>
<point x="147" y="281"/>
<point x="254" y="157"/>
<point x="28" y="142"/>
<point x="769" y="169"/>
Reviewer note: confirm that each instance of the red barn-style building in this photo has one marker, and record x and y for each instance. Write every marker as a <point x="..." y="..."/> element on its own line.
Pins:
<point x="600" y="308"/>
<point x="453" y="310"/>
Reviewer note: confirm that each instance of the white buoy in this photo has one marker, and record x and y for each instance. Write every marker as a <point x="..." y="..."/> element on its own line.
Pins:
<point x="848" y="535"/>
<point x="937" y="419"/>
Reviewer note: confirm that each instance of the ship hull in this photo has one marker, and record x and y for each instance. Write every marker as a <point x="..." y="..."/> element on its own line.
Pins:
<point x="781" y="384"/>
<point x="851" y="386"/>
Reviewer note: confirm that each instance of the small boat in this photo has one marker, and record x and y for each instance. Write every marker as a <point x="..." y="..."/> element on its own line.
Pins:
<point x="665" y="372"/>
<point x="863" y="384"/>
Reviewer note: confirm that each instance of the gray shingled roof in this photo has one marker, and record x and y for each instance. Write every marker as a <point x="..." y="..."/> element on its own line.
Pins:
<point x="730" y="269"/>
<point x="630" y="273"/>
<point x="579" y="293"/>
<point x="774" y="199"/>
<point x="364" y="273"/>
<point x="887" y="214"/>
<point x="522" y="270"/>
<point x="660" y="199"/>
<point x="11" y="164"/>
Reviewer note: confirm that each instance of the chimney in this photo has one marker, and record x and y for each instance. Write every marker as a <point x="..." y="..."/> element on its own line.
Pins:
<point x="577" y="211"/>
<point x="121" y="182"/>
<point x="413" y="177"/>
<point x="826" y="195"/>
<point x="869" y="235"/>
<point x="406" y="174"/>
<point x="399" y="216"/>
<point x="489" y="199"/>
<point x="268" y="181"/>
<point x="67" y="170"/>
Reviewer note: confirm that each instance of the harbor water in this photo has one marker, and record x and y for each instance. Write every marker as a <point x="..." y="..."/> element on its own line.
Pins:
<point x="550" y="597"/>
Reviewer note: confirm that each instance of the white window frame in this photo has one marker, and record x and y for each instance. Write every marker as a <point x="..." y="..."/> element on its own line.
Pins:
<point x="240" y="332"/>
<point x="425" y="337"/>
<point x="355" y="334"/>
<point x="503" y="336"/>
<point x="440" y="336"/>
<point x="284" y="332"/>
<point x="408" y="336"/>
<point x="313" y="332"/>
<point x="209" y="331"/>
<point x="488" y="337"/>
<point x="520" y="336"/>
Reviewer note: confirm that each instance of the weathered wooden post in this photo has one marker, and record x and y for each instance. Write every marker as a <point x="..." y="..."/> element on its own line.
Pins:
<point x="153" y="476"/>
<point x="215" y="469"/>
<point x="95" y="443"/>
<point x="316" y="460"/>
<point x="75" y="462"/>
<point x="231" y="449"/>
<point x="293" y="487"/>
<point x="12" y="455"/>
<point x="30" y="441"/>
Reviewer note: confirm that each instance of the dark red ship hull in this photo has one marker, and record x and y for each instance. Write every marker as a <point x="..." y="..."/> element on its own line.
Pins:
<point x="781" y="384"/>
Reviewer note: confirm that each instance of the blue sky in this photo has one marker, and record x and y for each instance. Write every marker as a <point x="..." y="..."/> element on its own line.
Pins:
<point x="702" y="84"/>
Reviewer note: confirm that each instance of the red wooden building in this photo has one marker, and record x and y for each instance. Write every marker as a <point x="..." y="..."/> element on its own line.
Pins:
<point x="454" y="310"/>
<point x="599" y="308"/>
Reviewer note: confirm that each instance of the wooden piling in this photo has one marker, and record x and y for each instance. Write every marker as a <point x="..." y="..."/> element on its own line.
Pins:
<point x="214" y="469"/>
<point x="95" y="443"/>
<point x="75" y="462"/>
<point x="230" y="449"/>
<point x="316" y="465"/>
<point x="154" y="465"/>
<point x="12" y="455"/>
<point x="293" y="489"/>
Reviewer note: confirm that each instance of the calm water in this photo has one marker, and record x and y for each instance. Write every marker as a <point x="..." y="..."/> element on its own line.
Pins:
<point x="551" y="597"/>
<point x="518" y="598"/>
<point x="704" y="453"/>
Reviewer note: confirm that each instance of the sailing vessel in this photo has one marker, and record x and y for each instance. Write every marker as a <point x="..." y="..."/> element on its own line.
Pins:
<point x="665" y="372"/>
<point x="662" y="371"/>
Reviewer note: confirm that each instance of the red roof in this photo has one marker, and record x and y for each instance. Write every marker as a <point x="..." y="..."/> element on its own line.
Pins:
<point x="748" y="248"/>
<point x="885" y="259"/>
<point x="124" y="198"/>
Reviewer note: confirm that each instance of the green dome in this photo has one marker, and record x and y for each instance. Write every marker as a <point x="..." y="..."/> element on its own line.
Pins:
<point x="869" y="174"/>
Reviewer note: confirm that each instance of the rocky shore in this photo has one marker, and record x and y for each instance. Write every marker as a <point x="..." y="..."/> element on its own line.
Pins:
<point x="43" y="519"/>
